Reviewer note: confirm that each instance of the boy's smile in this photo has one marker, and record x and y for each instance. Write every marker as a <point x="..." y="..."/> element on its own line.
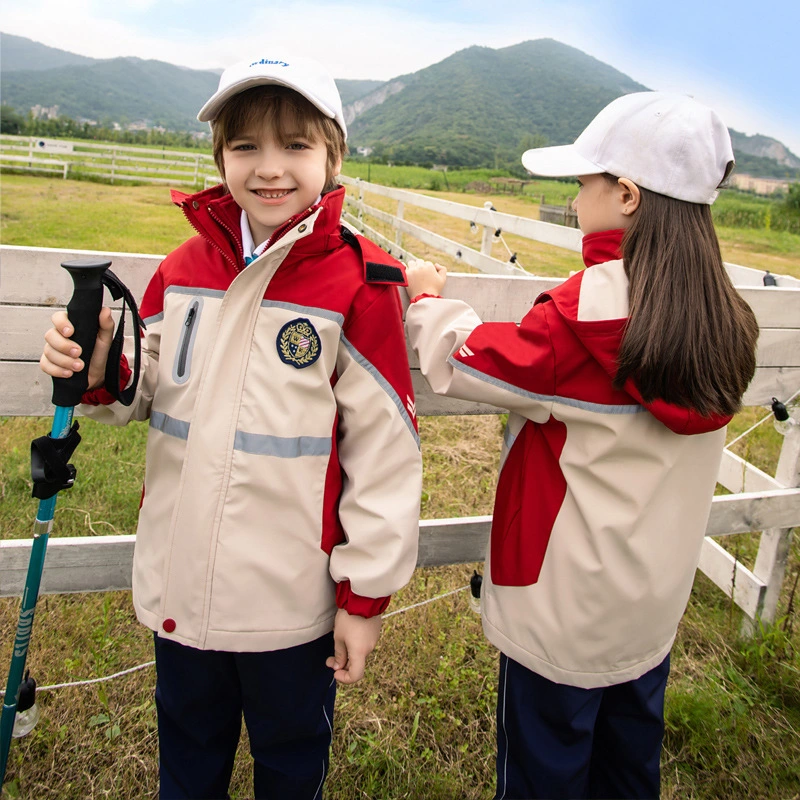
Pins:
<point x="273" y="180"/>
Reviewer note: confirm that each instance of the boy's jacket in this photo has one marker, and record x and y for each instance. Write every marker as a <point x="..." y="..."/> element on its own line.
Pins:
<point x="602" y="500"/>
<point x="283" y="470"/>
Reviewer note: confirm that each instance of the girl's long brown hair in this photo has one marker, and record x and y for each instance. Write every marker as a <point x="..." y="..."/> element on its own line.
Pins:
<point x="690" y="338"/>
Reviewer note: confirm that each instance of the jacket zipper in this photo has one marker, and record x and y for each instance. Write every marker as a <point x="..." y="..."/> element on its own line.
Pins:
<point x="202" y="233"/>
<point x="187" y="337"/>
<point x="277" y="234"/>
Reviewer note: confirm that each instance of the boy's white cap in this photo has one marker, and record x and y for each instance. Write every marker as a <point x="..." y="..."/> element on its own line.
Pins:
<point x="667" y="143"/>
<point x="306" y="76"/>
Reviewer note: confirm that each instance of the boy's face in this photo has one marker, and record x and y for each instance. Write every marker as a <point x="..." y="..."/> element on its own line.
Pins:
<point x="272" y="181"/>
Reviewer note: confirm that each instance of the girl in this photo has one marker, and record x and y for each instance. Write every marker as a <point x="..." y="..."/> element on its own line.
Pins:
<point x="620" y="383"/>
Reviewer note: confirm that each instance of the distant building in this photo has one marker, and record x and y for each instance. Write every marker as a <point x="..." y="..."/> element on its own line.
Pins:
<point x="765" y="186"/>
<point x="364" y="151"/>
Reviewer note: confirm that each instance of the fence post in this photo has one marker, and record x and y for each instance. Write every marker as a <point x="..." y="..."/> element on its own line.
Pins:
<point x="773" y="547"/>
<point x="398" y="235"/>
<point x="487" y="240"/>
<point x="113" y="162"/>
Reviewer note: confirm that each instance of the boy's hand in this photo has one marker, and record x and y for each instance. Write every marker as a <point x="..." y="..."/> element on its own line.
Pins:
<point x="425" y="277"/>
<point x="60" y="358"/>
<point x="354" y="638"/>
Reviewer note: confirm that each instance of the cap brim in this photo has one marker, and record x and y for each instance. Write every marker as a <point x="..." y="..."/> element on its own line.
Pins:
<point x="210" y="110"/>
<point x="558" y="162"/>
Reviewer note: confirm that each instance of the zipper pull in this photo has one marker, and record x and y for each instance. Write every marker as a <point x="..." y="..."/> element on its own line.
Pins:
<point x="190" y="316"/>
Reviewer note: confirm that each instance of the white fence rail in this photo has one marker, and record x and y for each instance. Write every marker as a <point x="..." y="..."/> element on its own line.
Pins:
<point x="115" y="163"/>
<point x="33" y="283"/>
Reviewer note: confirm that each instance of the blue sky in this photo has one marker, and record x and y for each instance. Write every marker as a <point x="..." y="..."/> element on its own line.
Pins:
<point x="739" y="57"/>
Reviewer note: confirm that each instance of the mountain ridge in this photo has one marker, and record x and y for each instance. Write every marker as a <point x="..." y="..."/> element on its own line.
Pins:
<point x="479" y="106"/>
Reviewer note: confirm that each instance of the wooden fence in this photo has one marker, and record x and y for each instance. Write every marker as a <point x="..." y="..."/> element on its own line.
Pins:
<point x="33" y="284"/>
<point x="109" y="162"/>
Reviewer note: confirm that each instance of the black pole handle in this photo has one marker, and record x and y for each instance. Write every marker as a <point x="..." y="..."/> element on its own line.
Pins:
<point x="83" y="310"/>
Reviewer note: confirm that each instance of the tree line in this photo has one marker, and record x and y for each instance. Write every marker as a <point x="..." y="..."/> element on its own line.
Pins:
<point x="14" y="123"/>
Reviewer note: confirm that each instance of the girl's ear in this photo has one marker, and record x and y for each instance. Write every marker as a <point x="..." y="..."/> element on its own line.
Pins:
<point x="630" y="196"/>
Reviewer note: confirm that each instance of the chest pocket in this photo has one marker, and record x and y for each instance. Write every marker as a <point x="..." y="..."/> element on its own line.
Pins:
<point x="182" y="367"/>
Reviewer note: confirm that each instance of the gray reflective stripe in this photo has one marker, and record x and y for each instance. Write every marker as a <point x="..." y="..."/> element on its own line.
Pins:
<point x="384" y="384"/>
<point x="169" y="425"/>
<point x="197" y="291"/>
<point x="598" y="408"/>
<point x="193" y="291"/>
<point x="282" y="447"/>
<point x="313" y="311"/>
<point x="253" y="443"/>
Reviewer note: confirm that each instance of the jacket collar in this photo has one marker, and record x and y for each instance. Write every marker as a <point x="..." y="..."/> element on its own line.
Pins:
<point x="214" y="214"/>
<point x="602" y="246"/>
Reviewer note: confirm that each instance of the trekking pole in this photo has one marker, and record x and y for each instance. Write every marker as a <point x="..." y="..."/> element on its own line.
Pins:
<point x="51" y="473"/>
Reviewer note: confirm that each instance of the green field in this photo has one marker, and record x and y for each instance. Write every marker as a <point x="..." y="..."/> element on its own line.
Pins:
<point x="421" y="724"/>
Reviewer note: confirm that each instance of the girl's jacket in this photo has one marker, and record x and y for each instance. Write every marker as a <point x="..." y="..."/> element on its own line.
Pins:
<point x="283" y="470"/>
<point x="602" y="500"/>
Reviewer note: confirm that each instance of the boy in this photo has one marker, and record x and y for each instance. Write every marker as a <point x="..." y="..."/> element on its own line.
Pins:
<point x="283" y="472"/>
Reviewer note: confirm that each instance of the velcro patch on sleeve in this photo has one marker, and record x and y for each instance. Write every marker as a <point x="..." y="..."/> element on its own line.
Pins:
<point x="384" y="273"/>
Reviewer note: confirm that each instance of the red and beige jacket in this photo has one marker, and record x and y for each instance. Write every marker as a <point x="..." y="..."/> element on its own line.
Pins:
<point x="283" y="470"/>
<point x="602" y="500"/>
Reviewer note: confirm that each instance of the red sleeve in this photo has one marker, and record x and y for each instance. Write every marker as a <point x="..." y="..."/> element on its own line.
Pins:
<point x="518" y="355"/>
<point x="354" y="603"/>
<point x="101" y="396"/>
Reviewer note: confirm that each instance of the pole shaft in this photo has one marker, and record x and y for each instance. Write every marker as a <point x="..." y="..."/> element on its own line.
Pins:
<point x="62" y="420"/>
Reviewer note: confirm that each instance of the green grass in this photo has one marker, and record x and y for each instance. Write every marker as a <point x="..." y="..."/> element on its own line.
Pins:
<point x="421" y="724"/>
<point x="48" y="212"/>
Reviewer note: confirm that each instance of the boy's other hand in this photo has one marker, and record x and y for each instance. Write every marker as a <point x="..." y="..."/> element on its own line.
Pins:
<point x="61" y="356"/>
<point x="425" y="277"/>
<point x="354" y="638"/>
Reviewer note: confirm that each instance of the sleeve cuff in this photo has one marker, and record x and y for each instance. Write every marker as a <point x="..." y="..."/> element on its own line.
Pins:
<point x="423" y="296"/>
<point x="354" y="603"/>
<point x="101" y="396"/>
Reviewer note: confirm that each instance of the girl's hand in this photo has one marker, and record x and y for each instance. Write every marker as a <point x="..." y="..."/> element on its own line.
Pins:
<point x="425" y="277"/>
<point x="61" y="356"/>
<point x="354" y="638"/>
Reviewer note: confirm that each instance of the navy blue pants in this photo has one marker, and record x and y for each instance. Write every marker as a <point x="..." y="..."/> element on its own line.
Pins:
<point x="286" y="697"/>
<point x="557" y="742"/>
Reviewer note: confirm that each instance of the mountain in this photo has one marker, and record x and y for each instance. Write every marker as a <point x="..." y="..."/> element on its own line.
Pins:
<point x="478" y="107"/>
<point x="763" y="147"/>
<point x="17" y="52"/>
<point x="351" y="91"/>
<point x="115" y="90"/>
<point x="481" y="103"/>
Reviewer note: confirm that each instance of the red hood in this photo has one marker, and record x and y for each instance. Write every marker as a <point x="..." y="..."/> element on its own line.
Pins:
<point x="214" y="214"/>
<point x="603" y="338"/>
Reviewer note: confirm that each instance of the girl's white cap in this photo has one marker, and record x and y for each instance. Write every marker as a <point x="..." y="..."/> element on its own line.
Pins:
<point x="667" y="143"/>
<point x="304" y="75"/>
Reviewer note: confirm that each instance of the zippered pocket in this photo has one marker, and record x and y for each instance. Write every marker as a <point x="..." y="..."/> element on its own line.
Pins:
<point x="183" y="355"/>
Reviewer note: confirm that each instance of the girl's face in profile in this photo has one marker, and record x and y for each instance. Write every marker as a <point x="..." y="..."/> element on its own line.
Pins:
<point x="600" y="204"/>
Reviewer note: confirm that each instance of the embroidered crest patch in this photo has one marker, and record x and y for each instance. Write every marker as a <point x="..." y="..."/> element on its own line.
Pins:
<point x="299" y="343"/>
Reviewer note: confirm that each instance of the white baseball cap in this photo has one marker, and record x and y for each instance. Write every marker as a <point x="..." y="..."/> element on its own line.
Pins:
<point x="667" y="143"/>
<point x="306" y="76"/>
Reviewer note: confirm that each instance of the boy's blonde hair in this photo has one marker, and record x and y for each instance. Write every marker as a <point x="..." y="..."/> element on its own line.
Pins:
<point x="287" y="114"/>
